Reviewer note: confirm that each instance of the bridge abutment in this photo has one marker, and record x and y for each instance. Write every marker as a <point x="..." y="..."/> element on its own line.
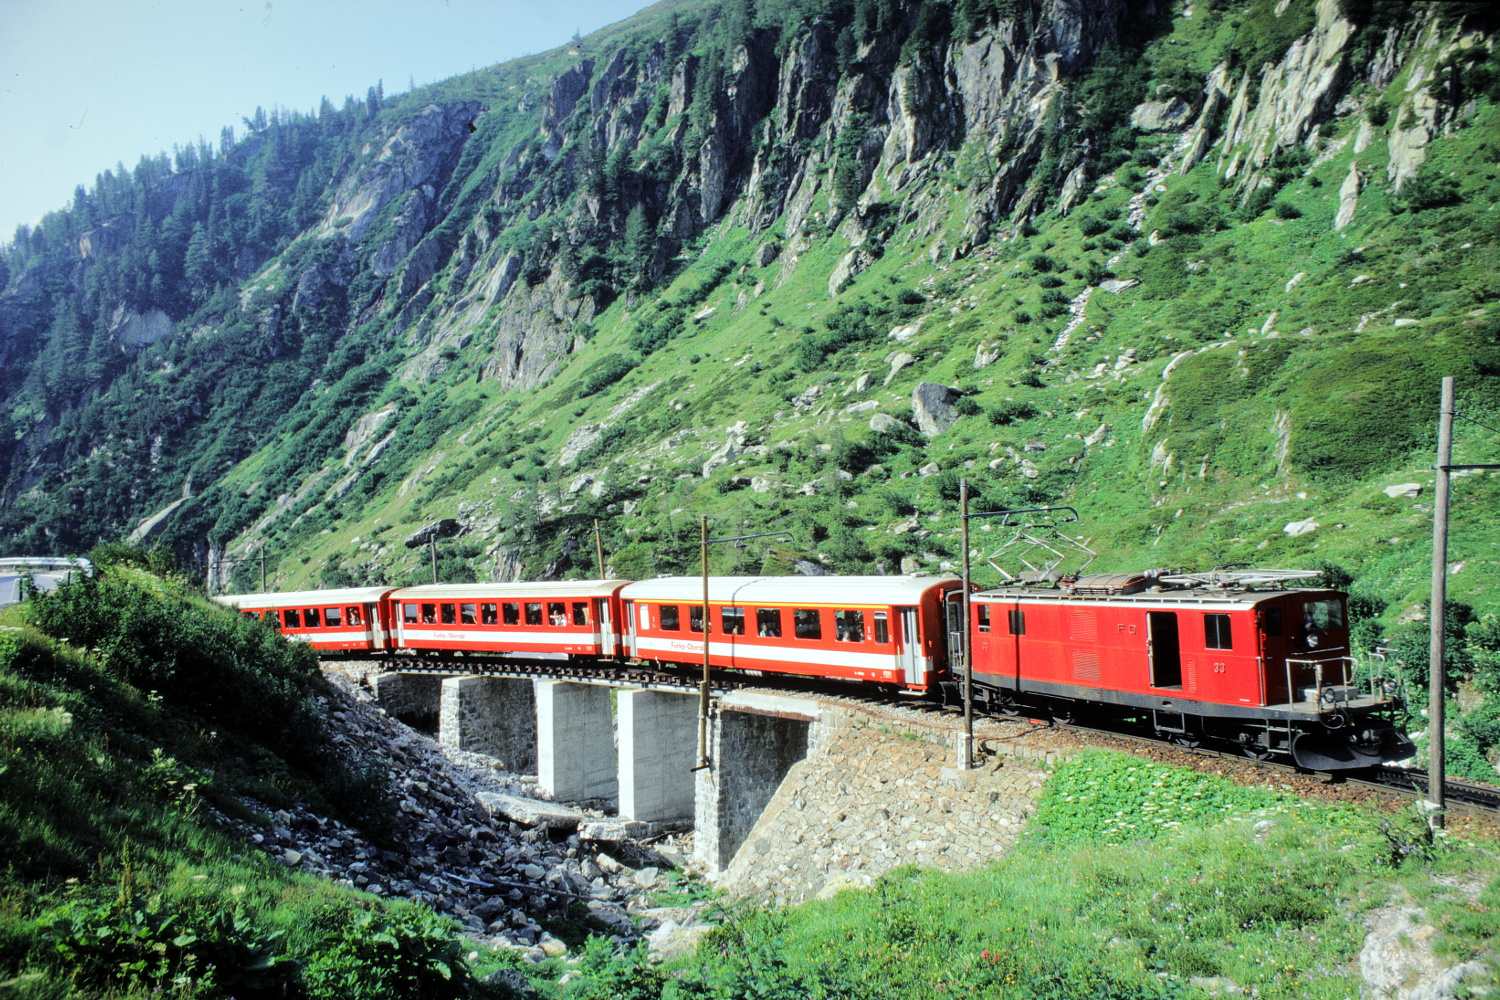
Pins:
<point x="756" y="741"/>
<point x="415" y="699"/>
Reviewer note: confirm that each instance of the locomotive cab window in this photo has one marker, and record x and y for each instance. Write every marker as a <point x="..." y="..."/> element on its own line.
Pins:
<point x="511" y="612"/>
<point x="1320" y="615"/>
<point x="1017" y="621"/>
<point x="768" y="623"/>
<point x="487" y="614"/>
<point x="333" y="617"/>
<point x="732" y="620"/>
<point x="671" y="621"/>
<point x="312" y="619"/>
<point x="882" y="628"/>
<point x="580" y="613"/>
<point x="292" y="617"/>
<point x="1216" y="632"/>
<point x="807" y="623"/>
<point x="849" y="626"/>
<point x="695" y="618"/>
<point x="534" y="613"/>
<point x="982" y="617"/>
<point x="468" y="614"/>
<point x="450" y="616"/>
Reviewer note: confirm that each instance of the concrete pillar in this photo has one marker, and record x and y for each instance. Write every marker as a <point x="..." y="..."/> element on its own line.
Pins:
<point x="575" y="741"/>
<point x="415" y="699"/>
<point x="491" y="715"/>
<point x="658" y="747"/>
<point x="751" y="754"/>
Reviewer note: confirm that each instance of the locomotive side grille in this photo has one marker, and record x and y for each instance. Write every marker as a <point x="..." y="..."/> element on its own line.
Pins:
<point x="1085" y="666"/>
<point x="1192" y="676"/>
<point x="1083" y="624"/>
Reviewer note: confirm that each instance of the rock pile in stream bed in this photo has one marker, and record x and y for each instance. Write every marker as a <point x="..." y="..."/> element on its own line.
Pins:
<point x="501" y="879"/>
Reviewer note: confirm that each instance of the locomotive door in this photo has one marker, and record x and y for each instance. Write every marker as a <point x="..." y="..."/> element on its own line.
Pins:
<point x="1164" y="649"/>
<point x="909" y="652"/>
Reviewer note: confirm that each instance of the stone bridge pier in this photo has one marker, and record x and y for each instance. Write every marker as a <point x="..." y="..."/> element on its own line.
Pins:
<point x="590" y="742"/>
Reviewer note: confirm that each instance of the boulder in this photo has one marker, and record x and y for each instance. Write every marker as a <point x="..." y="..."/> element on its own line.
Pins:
<point x="932" y="406"/>
<point x="767" y="252"/>
<point x="1412" y="490"/>
<point x="1296" y="528"/>
<point x="884" y="423"/>
<point x="444" y="528"/>
<point x="898" y="361"/>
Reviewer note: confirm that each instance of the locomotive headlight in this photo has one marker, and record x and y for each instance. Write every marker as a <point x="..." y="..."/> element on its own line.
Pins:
<point x="1389" y="687"/>
<point x="1327" y="697"/>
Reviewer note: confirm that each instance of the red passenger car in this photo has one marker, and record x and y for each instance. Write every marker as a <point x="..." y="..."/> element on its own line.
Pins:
<point x="871" y="628"/>
<point x="1265" y="667"/>
<point x="572" y="617"/>
<point x="349" y="620"/>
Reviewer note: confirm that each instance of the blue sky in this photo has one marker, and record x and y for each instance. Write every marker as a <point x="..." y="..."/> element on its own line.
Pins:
<point x="87" y="84"/>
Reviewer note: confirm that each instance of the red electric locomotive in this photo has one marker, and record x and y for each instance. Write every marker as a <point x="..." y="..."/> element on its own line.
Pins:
<point x="557" y="618"/>
<point x="351" y="620"/>
<point x="878" y="629"/>
<point x="1227" y="655"/>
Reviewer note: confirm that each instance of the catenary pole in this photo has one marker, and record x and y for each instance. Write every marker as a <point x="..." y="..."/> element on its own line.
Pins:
<point x="703" y="689"/>
<point x="599" y="548"/>
<point x="1437" y="678"/>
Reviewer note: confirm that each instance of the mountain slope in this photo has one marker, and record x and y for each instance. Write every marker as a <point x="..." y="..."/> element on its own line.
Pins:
<point x="1193" y="270"/>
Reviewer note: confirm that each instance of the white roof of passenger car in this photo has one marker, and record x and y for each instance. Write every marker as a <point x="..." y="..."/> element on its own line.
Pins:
<point x="305" y="598"/>
<point x="808" y="591"/>
<point x="543" y="588"/>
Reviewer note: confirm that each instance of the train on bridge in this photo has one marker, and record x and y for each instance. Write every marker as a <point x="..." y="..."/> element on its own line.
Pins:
<point x="1233" y="657"/>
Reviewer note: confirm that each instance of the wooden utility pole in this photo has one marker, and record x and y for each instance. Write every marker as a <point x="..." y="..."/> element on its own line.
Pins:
<point x="966" y="755"/>
<point x="703" y="690"/>
<point x="1437" y="676"/>
<point x="599" y="548"/>
<point x="432" y="548"/>
<point x="262" y="569"/>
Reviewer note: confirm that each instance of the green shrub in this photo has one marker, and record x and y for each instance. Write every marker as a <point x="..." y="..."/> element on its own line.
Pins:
<point x="605" y="372"/>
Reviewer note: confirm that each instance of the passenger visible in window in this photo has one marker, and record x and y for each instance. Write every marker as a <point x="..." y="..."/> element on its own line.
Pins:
<point x="487" y="614"/>
<point x="557" y="613"/>
<point x="533" y="613"/>
<point x="695" y="618"/>
<point x="313" y="619"/>
<point x="768" y="623"/>
<point x="468" y="614"/>
<point x="671" y="620"/>
<point x="293" y="618"/>
<point x="732" y="620"/>
<point x="429" y="614"/>
<point x="849" y="626"/>
<point x="333" y="617"/>
<point x="449" y="617"/>
<point x="807" y="624"/>
<point x="511" y="612"/>
<point x="354" y="616"/>
<point x="580" y="613"/>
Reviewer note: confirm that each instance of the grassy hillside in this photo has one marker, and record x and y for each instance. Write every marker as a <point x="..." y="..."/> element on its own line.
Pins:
<point x="560" y="330"/>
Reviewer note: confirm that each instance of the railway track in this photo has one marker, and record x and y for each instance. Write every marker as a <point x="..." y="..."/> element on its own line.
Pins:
<point x="1477" y="799"/>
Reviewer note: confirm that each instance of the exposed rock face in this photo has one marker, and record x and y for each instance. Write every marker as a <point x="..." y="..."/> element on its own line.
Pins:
<point x="1162" y="116"/>
<point x="444" y="528"/>
<point x="135" y="329"/>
